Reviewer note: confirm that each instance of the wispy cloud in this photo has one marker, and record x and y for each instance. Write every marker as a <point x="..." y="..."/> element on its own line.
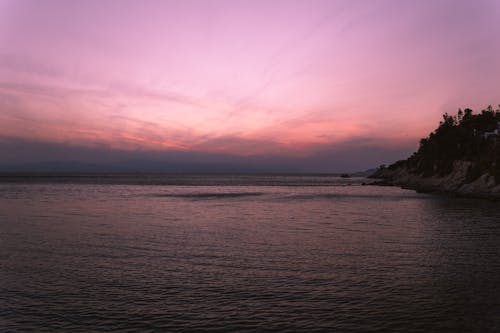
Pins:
<point x="308" y="78"/>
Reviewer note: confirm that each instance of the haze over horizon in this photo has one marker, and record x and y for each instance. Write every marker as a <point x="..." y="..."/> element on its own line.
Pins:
<point x="270" y="85"/>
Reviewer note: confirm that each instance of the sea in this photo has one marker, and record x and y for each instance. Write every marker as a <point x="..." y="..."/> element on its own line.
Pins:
<point x="243" y="253"/>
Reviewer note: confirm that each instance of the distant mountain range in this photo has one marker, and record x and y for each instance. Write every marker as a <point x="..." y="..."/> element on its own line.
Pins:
<point x="129" y="166"/>
<point x="147" y="166"/>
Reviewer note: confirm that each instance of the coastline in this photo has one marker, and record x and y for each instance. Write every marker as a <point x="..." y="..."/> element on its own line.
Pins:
<point x="453" y="184"/>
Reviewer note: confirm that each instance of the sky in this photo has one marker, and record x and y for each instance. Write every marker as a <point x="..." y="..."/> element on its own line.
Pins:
<point x="323" y="86"/>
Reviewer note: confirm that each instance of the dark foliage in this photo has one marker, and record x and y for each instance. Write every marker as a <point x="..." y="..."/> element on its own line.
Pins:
<point x="465" y="136"/>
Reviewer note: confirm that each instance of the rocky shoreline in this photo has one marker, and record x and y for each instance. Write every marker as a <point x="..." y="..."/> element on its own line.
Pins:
<point x="461" y="157"/>
<point x="455" y="183"/>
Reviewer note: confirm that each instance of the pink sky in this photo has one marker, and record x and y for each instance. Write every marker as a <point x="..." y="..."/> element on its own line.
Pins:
<point x="242" y="77"/>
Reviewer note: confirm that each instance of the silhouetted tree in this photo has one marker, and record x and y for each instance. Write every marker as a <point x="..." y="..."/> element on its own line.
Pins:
<point x="460" y="137"/>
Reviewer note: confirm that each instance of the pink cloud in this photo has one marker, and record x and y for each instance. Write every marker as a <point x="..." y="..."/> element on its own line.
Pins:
<point x="280" y="77"/>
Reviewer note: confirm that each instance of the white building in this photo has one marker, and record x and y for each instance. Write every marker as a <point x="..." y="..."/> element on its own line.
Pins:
<point x="494" y="133"/>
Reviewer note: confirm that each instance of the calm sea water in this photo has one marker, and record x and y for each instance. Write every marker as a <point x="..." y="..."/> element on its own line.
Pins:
<point x="166" y="253"/>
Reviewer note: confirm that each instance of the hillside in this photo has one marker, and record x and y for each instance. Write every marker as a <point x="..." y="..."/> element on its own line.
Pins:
<point x="462" y="156"/>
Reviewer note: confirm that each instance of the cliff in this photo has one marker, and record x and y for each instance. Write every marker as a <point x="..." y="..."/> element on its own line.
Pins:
<point x="461" y="157"/>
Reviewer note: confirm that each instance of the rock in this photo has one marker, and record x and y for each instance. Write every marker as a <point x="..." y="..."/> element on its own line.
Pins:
<point x="455" y="182"/>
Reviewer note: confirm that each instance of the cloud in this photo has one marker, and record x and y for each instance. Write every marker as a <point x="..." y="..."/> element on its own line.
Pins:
<point x="142" y="92"/>
<point x="27" y="65"/>
<point x="26" y="155"/>
<point x="237" y="145"/>
<point x="311" y="80"/>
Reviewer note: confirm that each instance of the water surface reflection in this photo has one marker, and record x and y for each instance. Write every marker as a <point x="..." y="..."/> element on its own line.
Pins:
<point x="80" y="257"/>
